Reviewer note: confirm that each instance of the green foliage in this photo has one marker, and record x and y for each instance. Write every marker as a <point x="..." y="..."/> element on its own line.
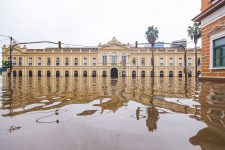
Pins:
<point x="152" y="34"/>
<point x="195" y="32"/>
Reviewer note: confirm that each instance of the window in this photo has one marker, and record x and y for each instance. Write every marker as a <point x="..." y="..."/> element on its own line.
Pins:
<point x="189" y="61"/>
<point x="104" y="59"/>
<point x="199" y="61"/>
<point x="14" y="61"/>
<point x="161" y="62"/>
<point x="48" y="61"/>
<point x="124" y="60"/>
<point x="180" y="61"/>
<point x="39" y="61"/>
<point x="20" y="61"/>
<point x="219" y="52"/>
<point x="133" y="62"/>
<point x="143" y="61"/>
<point x="57" y="61"/>
<point x="114" y="59"/>
<point x="94" y="61"/>
<point x="67" y="61"/>
<point x="171" y="61"/>
<point x="75" y="61"/>
<point x="161" y="73"/>
<point x="30" y="61"/>
<point x="85" y="61"/>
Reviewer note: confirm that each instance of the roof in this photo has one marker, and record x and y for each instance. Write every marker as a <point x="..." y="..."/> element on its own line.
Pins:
<point x="209" y="10"/>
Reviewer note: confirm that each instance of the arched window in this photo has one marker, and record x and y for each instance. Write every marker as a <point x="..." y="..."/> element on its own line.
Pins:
<point x="171" y="61"/>
<point x="14" y="61"/>
<point x="133" y="73"/>
<point x="75" y="73"/>
<point x="180" y="61"/>
<point x="57" y="61"/>
<point x="20" y="61"/>
<point x="171" y="74"/>
<point x="57" y="74"/>
<point x="180" y="74"/>
<point x="67" y="61"/>
<point x="94" y="73"/>
<point x="189" y="61"/>
<point x="161" y="74"/>
<point x="104" y="74"/>
<point x="161" y="62"/>
<point x="134" y="62"/>
<point x="94" y="62"/>
<point x="67" y="74"/>
<point x="199" y="61"/>
<point x="143" y="61"/>
<point x="75" y="61"/>
<point x="48" y="61"/>
<point x="143" y="74"/>
<point x="85" y="61"/>
<point x="39" y="61"/>
<point x="85" y="73"/>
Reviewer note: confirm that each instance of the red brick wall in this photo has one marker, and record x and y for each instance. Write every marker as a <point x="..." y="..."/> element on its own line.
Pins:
<point x="206" y="72"/>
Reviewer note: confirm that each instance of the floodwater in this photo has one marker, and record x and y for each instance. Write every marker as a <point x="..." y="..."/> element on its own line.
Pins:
<point x="111" y="113"/>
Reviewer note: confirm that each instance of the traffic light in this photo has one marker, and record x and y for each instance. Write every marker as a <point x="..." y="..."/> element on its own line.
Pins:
<point x="59" y="43"/>
<point x="136" y="44"/>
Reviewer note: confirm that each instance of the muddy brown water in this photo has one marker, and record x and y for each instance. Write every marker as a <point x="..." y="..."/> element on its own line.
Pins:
<point x="111" y="113"/>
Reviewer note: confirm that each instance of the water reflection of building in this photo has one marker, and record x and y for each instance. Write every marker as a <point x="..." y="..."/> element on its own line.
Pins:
<point x="212" y="99"/>
<point x="111" y="59"/>
<point x="30" y="94"/>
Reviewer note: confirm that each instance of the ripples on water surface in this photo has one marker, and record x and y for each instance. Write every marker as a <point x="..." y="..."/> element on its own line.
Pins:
<point x="104" y="113"/>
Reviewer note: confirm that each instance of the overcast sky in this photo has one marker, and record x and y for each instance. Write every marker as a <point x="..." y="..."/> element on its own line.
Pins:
<point x="89" y="22"/>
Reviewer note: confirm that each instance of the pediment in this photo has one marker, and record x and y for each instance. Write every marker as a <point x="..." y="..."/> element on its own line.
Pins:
<point x="15" y="51"/>
<point x="114" y="44"/>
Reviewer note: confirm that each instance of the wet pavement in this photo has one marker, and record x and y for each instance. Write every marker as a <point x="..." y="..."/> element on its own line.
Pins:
<point x="111" y="113"/>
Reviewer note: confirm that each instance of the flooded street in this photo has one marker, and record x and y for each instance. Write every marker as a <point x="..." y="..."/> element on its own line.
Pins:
<point x="111" y="113"/>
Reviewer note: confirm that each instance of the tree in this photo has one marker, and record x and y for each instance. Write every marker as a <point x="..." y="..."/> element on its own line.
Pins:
<point x="194" y="32"/>
<point x="151" y="36"/>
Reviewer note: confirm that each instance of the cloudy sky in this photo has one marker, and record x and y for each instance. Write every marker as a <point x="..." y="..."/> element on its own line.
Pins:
<point x="89" y="22"/>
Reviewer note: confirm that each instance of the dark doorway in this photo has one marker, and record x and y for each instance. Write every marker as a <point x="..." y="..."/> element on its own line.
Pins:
<point x="14" y="73"/>
<point x="39" y="73"/>
<point x="57" y="74"/>
<point x="48" y="73"/>
<point x="104" y="74"/>
<point x="171" y="74"/>
<point x="133" y="73"/>
<point x="85" y="73"/>
<point x="161" y="74"/>
<point x="20" y="73"/>
<point x="180" y="74"/>
<point x="114" y="72"/>
<point x="75" y="73"/>
<point x="94" y="74"/>
<point x="30" y="73"/>
<point x="143" y="74"/>
<point x="67" y="74"/>
<point x="189" y="74"/>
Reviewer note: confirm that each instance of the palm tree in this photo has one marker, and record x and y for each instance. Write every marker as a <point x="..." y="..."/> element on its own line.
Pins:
<point x="151" y="36"/>
<point x="194" y="32"/>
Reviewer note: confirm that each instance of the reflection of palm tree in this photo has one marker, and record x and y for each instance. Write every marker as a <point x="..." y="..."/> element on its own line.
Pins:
<point x="152" y="118"/>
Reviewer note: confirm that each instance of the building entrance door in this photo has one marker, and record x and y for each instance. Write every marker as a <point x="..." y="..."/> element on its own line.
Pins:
<point x="114" y="72"/>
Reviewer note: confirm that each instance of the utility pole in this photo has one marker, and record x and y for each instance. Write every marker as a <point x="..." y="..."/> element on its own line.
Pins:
<point x="10" y="56"/>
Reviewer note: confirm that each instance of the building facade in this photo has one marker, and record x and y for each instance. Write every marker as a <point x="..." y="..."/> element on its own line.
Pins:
<point x="111" y="59"/>
<point x="212" y="18"/>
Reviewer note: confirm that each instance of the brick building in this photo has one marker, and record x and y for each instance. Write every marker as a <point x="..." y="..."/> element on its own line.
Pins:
<point x="212" y="18"/>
